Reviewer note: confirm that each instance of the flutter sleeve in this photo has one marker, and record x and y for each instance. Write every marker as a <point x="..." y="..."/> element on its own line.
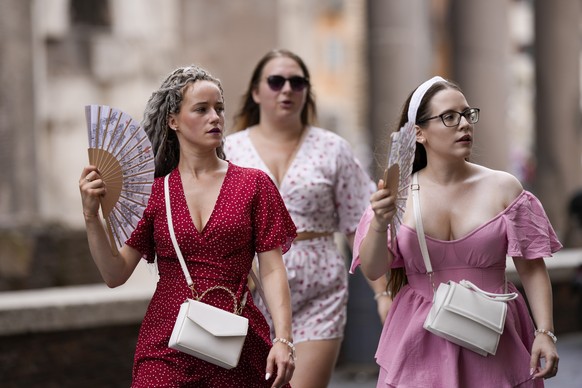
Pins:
<point x="361" y="232"/>
<point x="529" y="232"/>
<point x="142" y="238"/>
<point x="353" y="189"/>
<point x="272" y="224"/>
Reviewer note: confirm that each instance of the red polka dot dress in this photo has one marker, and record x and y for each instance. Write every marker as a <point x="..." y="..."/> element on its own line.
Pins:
<point x="249" y="216"/>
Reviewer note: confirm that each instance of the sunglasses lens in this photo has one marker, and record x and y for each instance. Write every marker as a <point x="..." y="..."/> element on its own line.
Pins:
<point x="276" y="82"/>
<point x="298" y="83"/>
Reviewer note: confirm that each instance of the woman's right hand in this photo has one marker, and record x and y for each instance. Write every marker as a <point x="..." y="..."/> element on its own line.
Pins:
<point x="281" y="364"/>
<point x="383" y="203"/>
<point x="92" y="189"/>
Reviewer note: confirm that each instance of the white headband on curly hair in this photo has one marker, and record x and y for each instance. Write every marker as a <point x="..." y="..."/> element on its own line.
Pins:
<point x="416" y="99"/>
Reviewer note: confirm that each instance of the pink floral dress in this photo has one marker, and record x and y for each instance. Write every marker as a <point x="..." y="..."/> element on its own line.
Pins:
<point x="325" y="190"/>
<point x="249" y="216"/>
<point x="409" y="355"/>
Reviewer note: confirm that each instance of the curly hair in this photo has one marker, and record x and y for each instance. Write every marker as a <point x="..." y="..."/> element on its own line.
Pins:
<point x="249" y="112"/>
<point x="164" y="102"/>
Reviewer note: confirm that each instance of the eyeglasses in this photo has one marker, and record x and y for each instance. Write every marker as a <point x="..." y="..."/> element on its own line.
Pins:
<point x="452" y="118"/>
<point x="276" y="82"/>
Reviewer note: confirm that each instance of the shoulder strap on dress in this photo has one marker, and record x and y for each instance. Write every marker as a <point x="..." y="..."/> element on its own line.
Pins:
<point x="173" y="234"/>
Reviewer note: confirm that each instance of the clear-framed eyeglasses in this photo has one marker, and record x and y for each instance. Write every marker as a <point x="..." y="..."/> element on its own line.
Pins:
<point x="453" y="118"/>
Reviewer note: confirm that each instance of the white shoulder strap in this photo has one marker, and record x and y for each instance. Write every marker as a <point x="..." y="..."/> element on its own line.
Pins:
<point x="173" y="235"/>
<point x="418" y="219"/>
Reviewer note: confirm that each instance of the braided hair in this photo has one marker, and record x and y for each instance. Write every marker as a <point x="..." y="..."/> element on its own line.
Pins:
<point x="164" y="102"/>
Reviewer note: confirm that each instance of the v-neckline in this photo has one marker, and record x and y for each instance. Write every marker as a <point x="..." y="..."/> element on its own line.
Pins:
<point x="293" y="157"/>
<point x="216" y="203"/>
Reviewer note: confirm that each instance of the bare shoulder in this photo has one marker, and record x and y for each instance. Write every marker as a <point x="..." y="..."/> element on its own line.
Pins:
<point x="500" y="184"/>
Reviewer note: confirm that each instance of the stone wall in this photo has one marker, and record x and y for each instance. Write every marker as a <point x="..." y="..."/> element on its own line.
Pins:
<point x="45" y="256"/>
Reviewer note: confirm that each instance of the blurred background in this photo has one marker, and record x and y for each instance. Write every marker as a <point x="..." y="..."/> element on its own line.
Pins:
<point x="517" y="60"/>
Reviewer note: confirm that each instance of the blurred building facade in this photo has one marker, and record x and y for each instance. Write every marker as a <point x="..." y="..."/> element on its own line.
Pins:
<point x="69" y="53"/>
<point x="365" y="57"/>
<point x="517" y="60"/>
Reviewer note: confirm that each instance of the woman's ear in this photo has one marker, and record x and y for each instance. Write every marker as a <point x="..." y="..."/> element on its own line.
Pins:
<point x="172" y="122"/>
<point x="419" y="135"/>
<point x="255" y="95"/>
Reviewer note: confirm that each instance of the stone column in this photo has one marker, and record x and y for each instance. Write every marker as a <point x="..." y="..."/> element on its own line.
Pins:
<point x="557" y="143"/>
<point x="480" y="49"/>
<point x="18" y="173"/>
<point x="400" y="57"/>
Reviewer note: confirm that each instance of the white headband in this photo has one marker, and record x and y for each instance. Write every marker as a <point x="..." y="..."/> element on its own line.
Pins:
<point x="416" y="99"/>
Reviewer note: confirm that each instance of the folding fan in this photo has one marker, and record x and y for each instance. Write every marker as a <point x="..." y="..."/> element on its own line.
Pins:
<point x="122" y="152"/>
<point x="398" y="174"/>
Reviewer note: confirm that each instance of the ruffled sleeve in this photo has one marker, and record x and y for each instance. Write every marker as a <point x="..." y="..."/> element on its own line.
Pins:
<point x="361" y="232"/>
<point x="529" y="232"/>
<point x="353" y="188"/>
<point x="272" y="224"/>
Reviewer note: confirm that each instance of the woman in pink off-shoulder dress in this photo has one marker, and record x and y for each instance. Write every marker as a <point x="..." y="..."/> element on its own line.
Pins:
<point x="223" y="215"/>
<point x="473" y="218"/>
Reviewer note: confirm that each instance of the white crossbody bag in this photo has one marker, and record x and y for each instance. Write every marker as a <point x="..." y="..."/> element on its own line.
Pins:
<point x="461" y="312"/>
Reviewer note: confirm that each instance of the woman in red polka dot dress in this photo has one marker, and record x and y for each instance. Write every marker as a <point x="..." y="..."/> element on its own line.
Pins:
<point x="222" y="215"/>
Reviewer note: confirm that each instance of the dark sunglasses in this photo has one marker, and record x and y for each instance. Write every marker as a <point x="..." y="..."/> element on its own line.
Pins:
<point x="276" y="82"/>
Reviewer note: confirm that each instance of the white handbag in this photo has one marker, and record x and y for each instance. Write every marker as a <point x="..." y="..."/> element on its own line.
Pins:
<point x="202" y="330"/>
<point x="461" y="312"/>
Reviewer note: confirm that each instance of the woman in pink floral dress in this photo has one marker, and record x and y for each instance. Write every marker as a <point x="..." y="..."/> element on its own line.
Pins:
<point x="222" y="215"/>
<point x="473" y="217"/>
<point x="325" y="190"/>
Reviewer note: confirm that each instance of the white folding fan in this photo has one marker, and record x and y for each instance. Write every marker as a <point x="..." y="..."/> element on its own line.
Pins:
<point x="398" y="174"/>
<point x="122" y="152"/>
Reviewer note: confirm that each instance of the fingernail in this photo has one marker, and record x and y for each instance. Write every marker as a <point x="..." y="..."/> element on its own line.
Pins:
<point x="531" y="371"/>
<point x="267" y="376"/>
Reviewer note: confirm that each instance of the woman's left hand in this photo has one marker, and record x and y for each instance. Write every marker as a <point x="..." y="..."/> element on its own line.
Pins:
<point x="280" y="364"/>
<point x="544" y="347"/>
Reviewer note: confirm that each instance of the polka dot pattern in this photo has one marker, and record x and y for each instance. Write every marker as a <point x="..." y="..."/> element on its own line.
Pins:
<point x="325" y="190"/>
<point x="249" y="216"/>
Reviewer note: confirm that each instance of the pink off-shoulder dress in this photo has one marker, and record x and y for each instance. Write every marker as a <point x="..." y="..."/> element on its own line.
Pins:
<point x="409" y="355"/>
<point x="249" y="216"/>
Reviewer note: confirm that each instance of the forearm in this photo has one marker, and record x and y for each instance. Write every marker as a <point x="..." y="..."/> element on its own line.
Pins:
<point x="538" y="289"/>
<point x="114" y="269"/>
<point x="375" y="257"/>
<point x="378" y="286"/>
<point x="278" y="297"/>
